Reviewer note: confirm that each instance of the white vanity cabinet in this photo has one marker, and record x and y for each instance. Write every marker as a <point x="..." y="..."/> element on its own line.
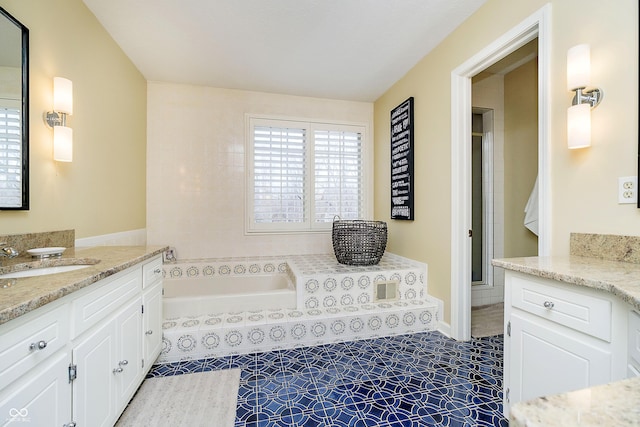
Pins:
<point x="95" y="356"/>
<point x="634" y="344"/>
<point x="559" y="337"/>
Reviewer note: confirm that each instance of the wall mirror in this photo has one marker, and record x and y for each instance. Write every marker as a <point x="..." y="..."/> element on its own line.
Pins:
<point x="14" y="113"/>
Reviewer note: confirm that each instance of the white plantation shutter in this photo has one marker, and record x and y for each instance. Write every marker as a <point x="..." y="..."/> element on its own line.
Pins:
<point x="338" y="175"/>
<point x="279" y="174"/>
<point x="10" y="157"/>
<point x="302" y="174"/>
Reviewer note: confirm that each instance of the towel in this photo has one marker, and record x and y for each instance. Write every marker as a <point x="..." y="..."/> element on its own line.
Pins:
<point x="531" y="210"/>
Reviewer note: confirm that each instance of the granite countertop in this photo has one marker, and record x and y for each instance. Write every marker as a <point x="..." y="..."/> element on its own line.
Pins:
<point x="613" y="404"/>
<point x="618" y="278"/>
<point x="22" y="295"/>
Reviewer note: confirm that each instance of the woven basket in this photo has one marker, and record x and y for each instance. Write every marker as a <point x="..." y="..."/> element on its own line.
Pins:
<point x="359" y="242"/>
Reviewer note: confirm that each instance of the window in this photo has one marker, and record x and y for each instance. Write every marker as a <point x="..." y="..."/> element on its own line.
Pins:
<point x="303" y="174"/>
<point x="10" y="157"/>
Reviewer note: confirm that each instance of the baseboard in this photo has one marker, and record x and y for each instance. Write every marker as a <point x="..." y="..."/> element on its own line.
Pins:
<point x="444" y="328"/>
<point x="123" y="238"/>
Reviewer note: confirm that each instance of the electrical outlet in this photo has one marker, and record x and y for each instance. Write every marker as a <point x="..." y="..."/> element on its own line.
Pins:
<point x="627" y="189"/>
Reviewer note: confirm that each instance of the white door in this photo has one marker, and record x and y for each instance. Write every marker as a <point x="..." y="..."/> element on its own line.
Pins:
<point x="152" y="318"/>
<point x="93" y="390"/>
<point x="40" y="399"/>
<point x="557" y="360"/>
<point x="128" y="364"/>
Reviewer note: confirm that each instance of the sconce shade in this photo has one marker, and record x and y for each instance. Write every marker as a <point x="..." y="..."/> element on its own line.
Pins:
<point x="578" y="67"/>
<point x="579" y="126"/>
<point x="62" y="144"/>
<point x="62" y="95"/>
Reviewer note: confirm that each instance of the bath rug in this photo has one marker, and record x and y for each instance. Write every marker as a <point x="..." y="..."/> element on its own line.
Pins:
<point x="200" y="399"/>
<point x="487" y="321"/>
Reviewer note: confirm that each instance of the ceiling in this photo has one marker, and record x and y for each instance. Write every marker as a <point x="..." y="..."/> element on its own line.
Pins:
<point x="338" y="49"/>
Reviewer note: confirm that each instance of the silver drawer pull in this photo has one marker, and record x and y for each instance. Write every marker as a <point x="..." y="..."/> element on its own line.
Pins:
<point x="548" y="304"/>
<point x="40" y="345"/>
<point x="157" y="271"/>
<point x="117" y="370"/>
<point x="123" y="363"/>
<point x="149" y="332"/>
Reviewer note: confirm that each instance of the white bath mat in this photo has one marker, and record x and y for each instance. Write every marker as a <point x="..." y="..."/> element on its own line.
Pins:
<point x="487" y="321"/>
<point x="198" y="399"/>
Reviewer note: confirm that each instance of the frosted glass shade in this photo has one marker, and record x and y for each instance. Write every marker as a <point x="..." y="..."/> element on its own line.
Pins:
<point x="578" y="67"/>
<point x="579" y="126"/>
<point x="62" y="144"/>
<point x="62" y="95"/>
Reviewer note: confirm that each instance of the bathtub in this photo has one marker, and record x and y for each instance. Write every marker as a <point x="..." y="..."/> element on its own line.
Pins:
<point x="184" y="297"/>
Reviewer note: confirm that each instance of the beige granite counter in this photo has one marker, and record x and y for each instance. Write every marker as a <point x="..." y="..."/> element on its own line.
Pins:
<point x="613" y="404"/>
<point x="21" y="295"/>
<point x="618" y="278"/>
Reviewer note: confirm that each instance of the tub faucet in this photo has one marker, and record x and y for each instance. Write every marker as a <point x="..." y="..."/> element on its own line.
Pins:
<point x="8" y="251"/>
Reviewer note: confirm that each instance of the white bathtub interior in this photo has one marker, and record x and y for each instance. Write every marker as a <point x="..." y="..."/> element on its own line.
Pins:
<point x="185" y="297"/>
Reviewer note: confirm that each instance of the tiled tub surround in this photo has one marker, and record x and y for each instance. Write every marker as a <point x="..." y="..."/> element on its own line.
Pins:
<point x="334" y="303"/>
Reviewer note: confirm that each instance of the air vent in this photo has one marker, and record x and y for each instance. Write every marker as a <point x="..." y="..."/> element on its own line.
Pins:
<point x="386" y="290"/>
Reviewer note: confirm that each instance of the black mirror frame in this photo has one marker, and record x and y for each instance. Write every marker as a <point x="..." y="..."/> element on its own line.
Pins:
<point x="25" y="111"/>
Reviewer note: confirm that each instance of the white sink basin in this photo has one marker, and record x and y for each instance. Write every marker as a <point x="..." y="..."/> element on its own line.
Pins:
<point x="43" y="271"/>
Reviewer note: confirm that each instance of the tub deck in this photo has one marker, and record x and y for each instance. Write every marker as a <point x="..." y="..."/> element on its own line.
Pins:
<point x="334" y="303"/>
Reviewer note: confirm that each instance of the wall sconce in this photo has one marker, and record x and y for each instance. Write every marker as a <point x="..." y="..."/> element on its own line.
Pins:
<point x="57" y="119"/>
<point x="578" y="80"/>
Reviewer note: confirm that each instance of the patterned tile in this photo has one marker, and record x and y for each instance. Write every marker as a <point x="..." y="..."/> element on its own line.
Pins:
<point x="421" y="379"/>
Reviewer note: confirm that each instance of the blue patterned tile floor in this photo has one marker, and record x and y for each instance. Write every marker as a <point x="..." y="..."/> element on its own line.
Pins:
<point x="423" y="379"/>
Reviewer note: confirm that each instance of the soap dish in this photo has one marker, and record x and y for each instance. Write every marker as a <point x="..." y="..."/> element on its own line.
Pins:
<point x="46" y="252"/>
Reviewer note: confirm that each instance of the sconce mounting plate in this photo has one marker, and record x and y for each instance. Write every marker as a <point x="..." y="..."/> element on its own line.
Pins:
<point x="590" y="96"/>
<point x="53" y="118"/>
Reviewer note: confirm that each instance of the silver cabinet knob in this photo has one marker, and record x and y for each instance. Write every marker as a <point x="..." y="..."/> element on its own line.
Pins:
<point x="548" y="304"/>
<point x="157" y="271"/>
<point x="40" y="345"/>
<point x="149" y="332"/>
<point x="117" y="370"/>
<point x="123" y="363"/>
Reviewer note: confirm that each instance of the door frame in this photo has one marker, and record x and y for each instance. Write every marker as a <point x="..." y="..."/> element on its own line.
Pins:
<point x="537" y="25"/>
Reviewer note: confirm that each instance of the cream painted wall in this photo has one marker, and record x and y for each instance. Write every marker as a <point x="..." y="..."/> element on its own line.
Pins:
<point x="103" y="190"/>
<point x="196" y="168"/>
<point x="584" y="183"/>
<point x="520" y="156"/>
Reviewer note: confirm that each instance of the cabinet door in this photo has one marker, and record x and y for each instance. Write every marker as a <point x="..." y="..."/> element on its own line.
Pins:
<point x="94" y="401"/>
<point x="41" y="398"/>
<point x="152" y="319"/>
<point x="128" y="364"/>
<point x="547" y="359"/>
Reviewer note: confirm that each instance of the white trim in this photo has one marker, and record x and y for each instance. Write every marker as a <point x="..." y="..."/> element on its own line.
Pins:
<point x="123" y="238"/>
<point x="536" y="25"/>
<point x="444" y="328"/>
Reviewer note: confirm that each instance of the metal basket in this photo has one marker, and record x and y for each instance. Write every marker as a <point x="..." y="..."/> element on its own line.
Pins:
<point x="359" y="242"/>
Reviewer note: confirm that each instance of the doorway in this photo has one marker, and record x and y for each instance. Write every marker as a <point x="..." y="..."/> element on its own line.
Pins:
<point x="536" y="26"/>
<point x="504" y="163"/>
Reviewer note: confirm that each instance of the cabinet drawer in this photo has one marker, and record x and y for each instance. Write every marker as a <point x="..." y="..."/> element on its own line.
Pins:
<point x="31" y="342"/>
<point x="96" y="305"/>
<point x="634" y="339"/>
<point x="151" y="272"/>
<point x="585" y="313"/>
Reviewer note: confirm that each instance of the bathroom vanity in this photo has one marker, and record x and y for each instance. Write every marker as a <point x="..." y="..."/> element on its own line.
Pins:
<point x="75" y="346"/>
<point x="571" y="323"/>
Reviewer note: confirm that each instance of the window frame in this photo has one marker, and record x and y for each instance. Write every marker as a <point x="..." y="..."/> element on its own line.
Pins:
<point x="309" y="225"/>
